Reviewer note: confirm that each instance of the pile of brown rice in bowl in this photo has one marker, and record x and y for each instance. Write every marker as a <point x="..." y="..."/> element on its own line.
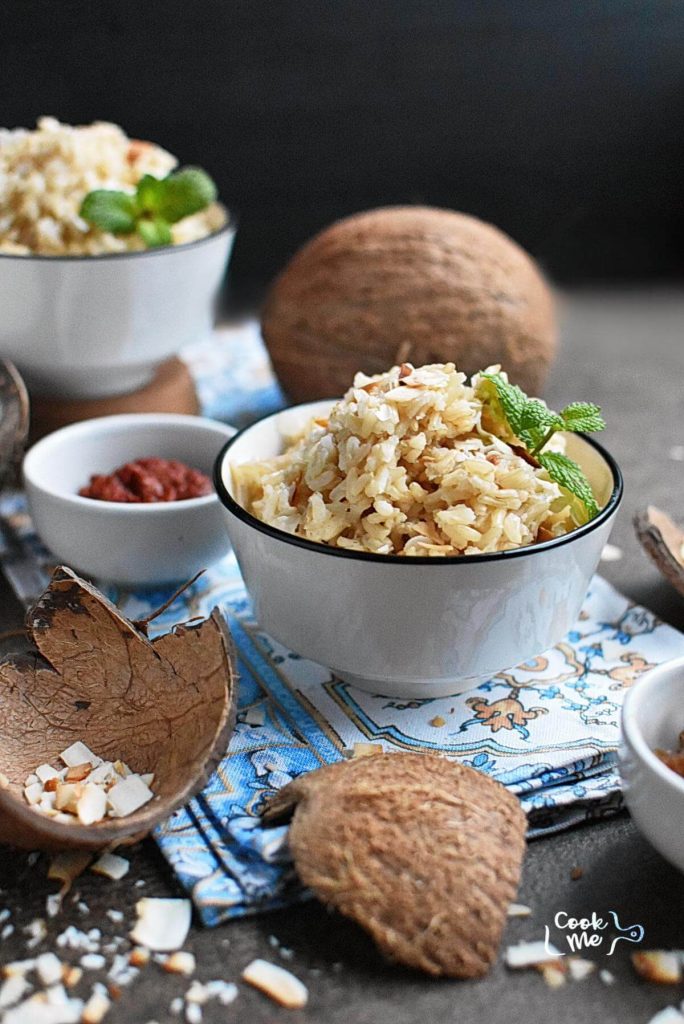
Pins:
<point x="407" y="464"/>
<point x="46" y="173"/>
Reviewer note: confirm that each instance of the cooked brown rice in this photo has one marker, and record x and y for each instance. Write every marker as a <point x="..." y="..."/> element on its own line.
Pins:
<point x="404" y="465"/>
<point x="46" y="173"/>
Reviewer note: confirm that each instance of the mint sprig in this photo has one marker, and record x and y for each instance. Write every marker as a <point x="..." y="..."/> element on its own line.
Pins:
<point x="533" y="424"/>
<point x="156" y="204"/>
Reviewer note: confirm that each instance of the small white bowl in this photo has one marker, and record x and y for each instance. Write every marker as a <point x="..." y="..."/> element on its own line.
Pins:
<point x="412" y="627"/>
<point x="129" y="544"/>
<point x="653" y="716"/>
<point x="91" y="326"/>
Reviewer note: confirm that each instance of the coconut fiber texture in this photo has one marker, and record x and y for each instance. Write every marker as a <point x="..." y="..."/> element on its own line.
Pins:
<point x="422" y="852"/>
<point x="407" y="283"/>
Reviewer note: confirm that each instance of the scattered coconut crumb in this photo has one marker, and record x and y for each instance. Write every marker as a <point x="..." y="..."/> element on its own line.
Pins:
<point x="438" y="721"/>
<point x="162" y="924"/>
<point x="193" y="1013"/>
<point x="531" y="954"/>
<point x="111" y="865"/>
<point x="366" y="749"/>
<point x="12" y="990"/>
<point x="576" y="873"/>
<point x="7" y="931"/>
<point x="578" y="968"/>
<point x="519" y="910"/>
<point x="139" y="956"/>
<point x="93" y="961"/>
<point x="96" y="1008"/>
<point x="49" y="969"/>
<point x="607" y="977"/>
<point x="669" y="1015"/>
<point x="554" y="973"/>
<point x="180" y="963"/>
<point x="37" y="931"/>
<point x="53" y="904"/>
<point x="662" y="967"/>
<point x="278" y="984"/>
<point x="67" y="866"/>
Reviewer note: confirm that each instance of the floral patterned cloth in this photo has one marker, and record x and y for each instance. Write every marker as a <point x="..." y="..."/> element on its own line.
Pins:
<point x="547" y="729"/>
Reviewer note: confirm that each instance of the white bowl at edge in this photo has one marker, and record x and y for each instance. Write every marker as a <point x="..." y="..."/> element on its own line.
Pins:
<point x="653" y="716"/>
<point x="412" y="627"/>
<point x="129" y="544"/>
<point x="91" y="326"/>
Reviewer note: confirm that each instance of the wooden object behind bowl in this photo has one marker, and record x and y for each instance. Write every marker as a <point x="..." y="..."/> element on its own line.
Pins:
<point x="171" y="390"/>
<point x="407" y="284"/>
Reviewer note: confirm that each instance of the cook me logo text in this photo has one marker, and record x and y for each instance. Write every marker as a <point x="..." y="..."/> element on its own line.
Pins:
<point x="585" y="933"/>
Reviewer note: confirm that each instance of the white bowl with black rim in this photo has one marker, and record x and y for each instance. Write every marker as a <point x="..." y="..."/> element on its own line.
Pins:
<point x="134" y="545"/>
<point x="91" y="326"/>
<point x="412" y="627"/>
<point x="653" y="718"/>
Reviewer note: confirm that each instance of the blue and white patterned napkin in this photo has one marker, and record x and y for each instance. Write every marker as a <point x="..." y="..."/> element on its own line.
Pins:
<point x="547" y="729"/>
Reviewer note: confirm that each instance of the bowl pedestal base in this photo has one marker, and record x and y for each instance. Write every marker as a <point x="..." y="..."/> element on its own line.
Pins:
<point x="171" y="390"/>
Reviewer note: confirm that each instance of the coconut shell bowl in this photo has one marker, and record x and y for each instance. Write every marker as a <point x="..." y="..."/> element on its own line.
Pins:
<point x="164" y="706"/>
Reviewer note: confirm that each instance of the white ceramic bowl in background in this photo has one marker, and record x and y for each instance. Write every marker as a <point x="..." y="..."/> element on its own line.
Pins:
<point x="653" y="716"/>
<point x="412" y="627"/>
<point x="91" y="326"/>
<point x="136" y="544"/>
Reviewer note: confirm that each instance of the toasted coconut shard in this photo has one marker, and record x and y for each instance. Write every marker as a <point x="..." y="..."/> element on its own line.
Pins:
<point x="278" y="984"/>
<point x="162" y="924"/>
<point x="369" y="833"/>
<point x="111" y="865"/>
<point x="659" y="966"/>
<point x="180" y="962"/>
<point x="663" y="541"/>
<point x="531" y="954"/>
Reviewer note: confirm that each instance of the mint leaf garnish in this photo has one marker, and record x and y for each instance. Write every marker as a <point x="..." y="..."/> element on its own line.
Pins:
<point x="185" y="192"/>
<point x="567" y="474"/>
<point x="533" y="424"/>
<point x="154" y="231"/>
<point x="110" y="211"/>
<point x="582" y="416"/>
<point x="157" y="204"/>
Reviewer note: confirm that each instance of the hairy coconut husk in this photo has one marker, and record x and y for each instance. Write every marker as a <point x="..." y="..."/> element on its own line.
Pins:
<point x="422" y="852"/>
<point x="413" y="284"/>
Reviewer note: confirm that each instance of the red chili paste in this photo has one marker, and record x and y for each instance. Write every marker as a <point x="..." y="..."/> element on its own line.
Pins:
<point x="148" y="480"/>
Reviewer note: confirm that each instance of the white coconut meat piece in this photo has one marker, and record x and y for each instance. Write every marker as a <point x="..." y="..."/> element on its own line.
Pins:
<point x="278" y="984"/>
<point x="669" y="1015"/>
<point x="44" y="772"/>
<point x="33" y="793"/>
<point x="49" y="969"/>
<point x="531" y="954"/>
<point x="77" y="754"/>
<point x="12" y="990"/>
<point x="127" y="796"/>
<point x="110" y="865"/>
<point x="103" y="773"/>
<point x="519" y="910"/>
<point x="660" y="966"/>
<point x="578" y="968"/>
<point x="65" y="867"/>
<point x="67" y="796"/>
<point x="180" y="962"/>
<point x="96" y="1008"/>
<point x="163" y="924"/>
<point x="91" y="805"/>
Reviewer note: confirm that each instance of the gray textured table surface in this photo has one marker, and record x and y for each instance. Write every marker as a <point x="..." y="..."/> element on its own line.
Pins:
<point x="626" y="352"/>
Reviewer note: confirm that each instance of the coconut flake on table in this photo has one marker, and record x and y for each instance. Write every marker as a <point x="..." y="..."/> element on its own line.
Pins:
<point x="278" y="984"/>
<point x="531" y="954"/>
<point x="163" y="924"/>
<point x="111" y="865"/>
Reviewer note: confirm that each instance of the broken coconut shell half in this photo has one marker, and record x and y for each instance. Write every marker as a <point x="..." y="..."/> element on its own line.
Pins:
<point x="422" y="852"/>
<point x="663" y="541"/>
<point x="165" y="706"/>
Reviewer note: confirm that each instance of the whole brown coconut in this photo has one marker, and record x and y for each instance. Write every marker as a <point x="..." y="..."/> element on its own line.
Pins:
<point x="407" y="284"/>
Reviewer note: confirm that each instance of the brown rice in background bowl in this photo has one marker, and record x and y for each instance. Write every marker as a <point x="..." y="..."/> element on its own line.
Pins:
<point x="45" y="174"/>
<point x="406" y="464"/>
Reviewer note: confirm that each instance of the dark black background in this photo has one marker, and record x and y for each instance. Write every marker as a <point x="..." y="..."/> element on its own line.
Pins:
<point x="560" y="121"/>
